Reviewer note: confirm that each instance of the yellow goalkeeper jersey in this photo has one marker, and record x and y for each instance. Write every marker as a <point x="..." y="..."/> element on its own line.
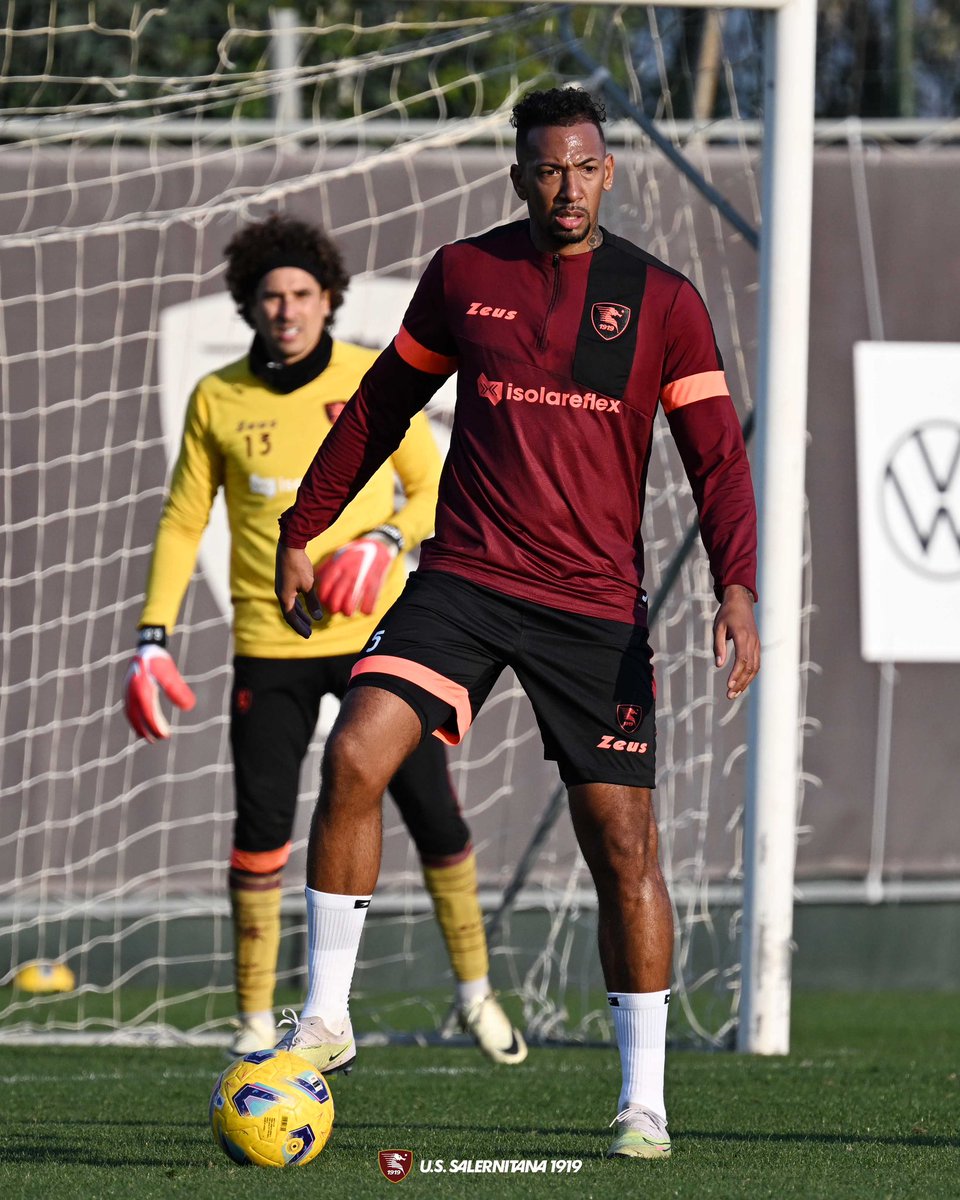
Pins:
<point x="256" y="444"/>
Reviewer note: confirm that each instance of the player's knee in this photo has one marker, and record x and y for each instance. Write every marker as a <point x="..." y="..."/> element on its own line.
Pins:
<point x="630" y="860"/>
<point x="625" y="856"/>
<point x="352" y="769"/>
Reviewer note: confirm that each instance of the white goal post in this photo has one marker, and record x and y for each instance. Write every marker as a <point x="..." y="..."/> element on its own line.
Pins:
<point x="775" y="755"/>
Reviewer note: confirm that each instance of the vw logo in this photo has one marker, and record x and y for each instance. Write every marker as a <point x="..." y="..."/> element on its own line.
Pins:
<point x="920" y="499"/>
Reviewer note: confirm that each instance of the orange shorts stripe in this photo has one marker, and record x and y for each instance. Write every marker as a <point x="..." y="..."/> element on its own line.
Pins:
<point x="260" y="862"/>
<point x="455" y="694"/>
<point x="704" y="386"/>
<point x="420" y="357"/>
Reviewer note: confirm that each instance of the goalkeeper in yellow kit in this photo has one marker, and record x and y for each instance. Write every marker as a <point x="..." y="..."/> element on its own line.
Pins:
<point x="252" y="429"/>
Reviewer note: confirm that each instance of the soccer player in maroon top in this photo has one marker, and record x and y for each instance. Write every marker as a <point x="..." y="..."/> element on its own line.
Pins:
<point x="565" y="339"/>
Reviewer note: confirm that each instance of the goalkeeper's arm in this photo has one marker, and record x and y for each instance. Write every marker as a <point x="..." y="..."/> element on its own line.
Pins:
<point x="196" y="478"/>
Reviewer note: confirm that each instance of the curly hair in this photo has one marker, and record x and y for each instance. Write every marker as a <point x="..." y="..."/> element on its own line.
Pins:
<point x="558" y="106"/>
<point x="264" y="245"/>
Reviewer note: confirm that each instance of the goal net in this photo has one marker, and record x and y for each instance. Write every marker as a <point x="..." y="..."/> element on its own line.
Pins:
<point x="134" y="141"/>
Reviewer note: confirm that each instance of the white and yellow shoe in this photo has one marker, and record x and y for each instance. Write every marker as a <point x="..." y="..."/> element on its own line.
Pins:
<point x="329" y="1051"/>
<point x="640" y="1134"/>
<point x="254" y="1032"/>
<point x="492" y="1030"/>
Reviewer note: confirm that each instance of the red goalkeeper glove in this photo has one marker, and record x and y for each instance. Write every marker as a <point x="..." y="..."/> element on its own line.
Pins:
<point x="150" y="666"/>
<point x="353" y="576"/>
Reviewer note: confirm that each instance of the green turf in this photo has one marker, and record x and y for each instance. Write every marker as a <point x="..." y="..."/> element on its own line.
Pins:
<point x="386" y="1013"/>
<point x="865" y="1106"/>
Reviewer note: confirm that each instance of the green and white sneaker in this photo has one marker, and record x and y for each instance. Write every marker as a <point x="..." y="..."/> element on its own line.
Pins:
<point x="492" y="1030"/>
<point x="640" y="1134"/>
<point x="328" y="1051"/>
<point x="254" y="1031"/>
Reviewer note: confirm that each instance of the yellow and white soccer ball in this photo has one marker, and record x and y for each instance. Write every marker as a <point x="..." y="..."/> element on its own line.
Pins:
<point x="271" y="1109"/>
<point x="44" y="976"/>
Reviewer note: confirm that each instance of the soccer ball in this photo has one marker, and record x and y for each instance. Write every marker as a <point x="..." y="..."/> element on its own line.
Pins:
<point x="271" y="1109"/>
<point x="44" y="976"/>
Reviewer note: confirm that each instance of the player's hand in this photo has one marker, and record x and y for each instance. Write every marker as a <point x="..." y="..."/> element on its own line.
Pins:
<point x="152" y="665"/>
<point x="294" y="576"/>
<point x="353" y="576"/>
<point x="735" y="622"/>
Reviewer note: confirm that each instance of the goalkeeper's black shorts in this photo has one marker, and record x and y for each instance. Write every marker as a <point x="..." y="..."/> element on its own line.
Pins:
<point x="444" y="643"/>
<point x="274" y="707"/>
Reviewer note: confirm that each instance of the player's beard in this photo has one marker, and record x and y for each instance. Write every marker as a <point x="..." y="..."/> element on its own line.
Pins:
<point x="570" y="237"/>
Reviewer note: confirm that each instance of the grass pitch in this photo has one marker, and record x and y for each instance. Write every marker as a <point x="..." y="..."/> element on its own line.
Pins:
<point x="866" y="1105"/>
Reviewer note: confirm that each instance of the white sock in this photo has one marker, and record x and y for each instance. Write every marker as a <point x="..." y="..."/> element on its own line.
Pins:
<point x="471" y="990"/>
<point x="640" y="1025"/>
<point x="334" y="925"/>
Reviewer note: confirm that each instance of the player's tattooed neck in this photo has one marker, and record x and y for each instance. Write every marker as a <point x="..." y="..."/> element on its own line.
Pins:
<point x="596" y="238"/>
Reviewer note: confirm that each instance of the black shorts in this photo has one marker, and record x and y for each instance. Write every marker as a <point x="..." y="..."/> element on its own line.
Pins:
<point x="444" y="643"/>
<point x="274" y="707"/>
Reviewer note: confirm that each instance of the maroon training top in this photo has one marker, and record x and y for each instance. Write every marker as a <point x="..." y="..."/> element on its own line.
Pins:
<point x="561" y="362"/>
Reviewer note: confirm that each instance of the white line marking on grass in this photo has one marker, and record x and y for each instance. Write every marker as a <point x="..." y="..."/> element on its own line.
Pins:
<point x="98" y="1076"/>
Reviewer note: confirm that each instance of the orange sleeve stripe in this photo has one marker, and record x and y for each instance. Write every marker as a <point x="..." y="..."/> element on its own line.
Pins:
<point x="695" y="387"/>
<point x="455" y="694"/>
<point x="260" y="862"/>
<point x="420" y="357"/>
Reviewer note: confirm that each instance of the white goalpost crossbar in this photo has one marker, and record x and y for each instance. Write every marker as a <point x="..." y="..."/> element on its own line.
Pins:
<point x="781" y="415"/>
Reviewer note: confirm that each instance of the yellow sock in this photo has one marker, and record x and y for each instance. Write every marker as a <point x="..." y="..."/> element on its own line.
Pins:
<point x="454" y="892"/>
<point x="255" y="902"/>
